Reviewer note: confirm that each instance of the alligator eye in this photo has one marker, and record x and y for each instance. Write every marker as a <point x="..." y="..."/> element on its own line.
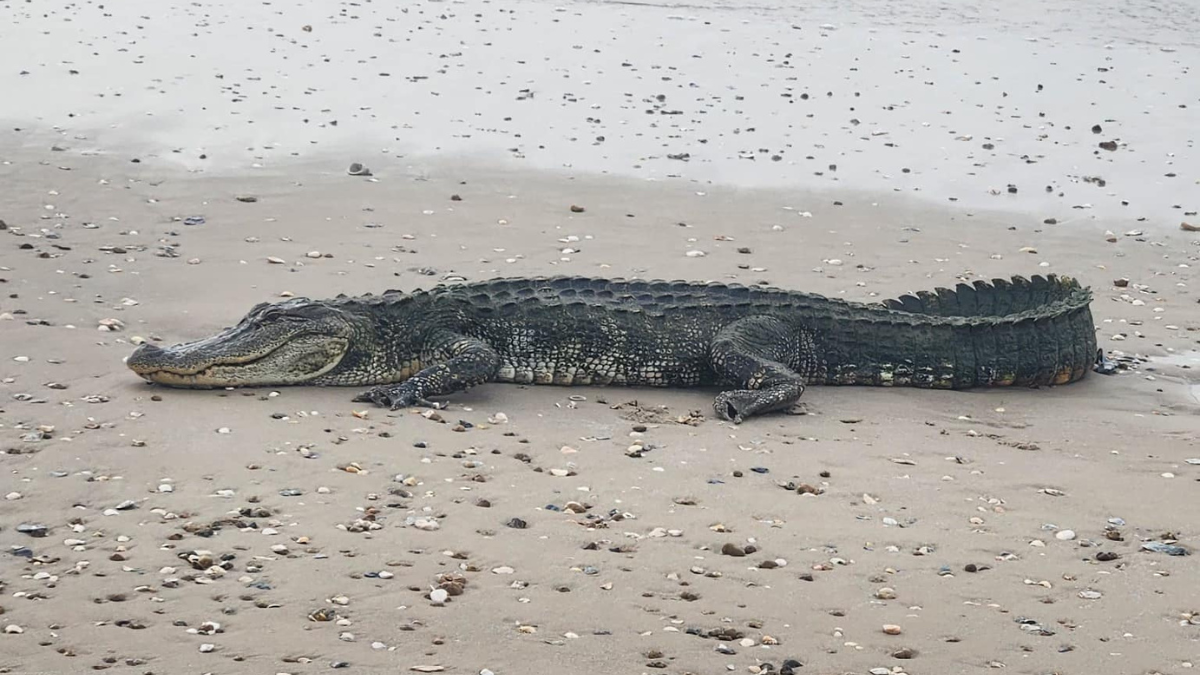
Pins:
<point x="272" y="314"/>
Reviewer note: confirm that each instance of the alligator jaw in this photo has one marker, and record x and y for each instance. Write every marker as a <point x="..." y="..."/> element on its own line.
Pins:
<point x="153" y="373"/>
<point x="297" y="360"/>
<point x="205" y="378"/>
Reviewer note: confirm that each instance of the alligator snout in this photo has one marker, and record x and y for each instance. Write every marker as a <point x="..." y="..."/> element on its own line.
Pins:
<point x="146" y="356"/>
<point x="146" y="350"/>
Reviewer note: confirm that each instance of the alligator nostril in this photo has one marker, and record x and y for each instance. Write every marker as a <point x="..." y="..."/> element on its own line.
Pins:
<point x="143" y="353"/>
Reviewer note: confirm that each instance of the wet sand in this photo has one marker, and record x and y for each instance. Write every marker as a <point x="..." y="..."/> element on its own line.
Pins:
<point x="942" y="513"/>
<point x="945" y="102"/>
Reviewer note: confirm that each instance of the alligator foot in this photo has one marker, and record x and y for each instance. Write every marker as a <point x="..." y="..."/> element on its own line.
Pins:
<point x="396" y="396"/>
<point x="738" y="404"/>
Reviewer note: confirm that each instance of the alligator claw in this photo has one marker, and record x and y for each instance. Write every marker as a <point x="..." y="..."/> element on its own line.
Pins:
<point x="738" y="404"/>
<point x="396" y="396"/>
<point x="734" y="405"/>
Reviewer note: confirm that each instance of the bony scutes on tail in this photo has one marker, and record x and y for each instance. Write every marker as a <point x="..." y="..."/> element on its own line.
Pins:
<point x="764" y="345"/>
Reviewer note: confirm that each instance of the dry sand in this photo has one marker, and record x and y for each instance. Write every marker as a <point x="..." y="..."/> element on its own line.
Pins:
<point x="956" y="501"/>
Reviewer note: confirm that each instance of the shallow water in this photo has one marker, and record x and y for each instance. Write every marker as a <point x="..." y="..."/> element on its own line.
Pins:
<point x="1189" y="359"/>
<point x="1189" y="363"/>
<point x="953" y="102"/>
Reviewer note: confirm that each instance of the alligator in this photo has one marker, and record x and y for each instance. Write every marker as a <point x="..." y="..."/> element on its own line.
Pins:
<point x="762" y="345"/>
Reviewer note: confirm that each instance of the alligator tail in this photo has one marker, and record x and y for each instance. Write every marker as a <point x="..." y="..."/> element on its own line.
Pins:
<point x="1022" y="332"/>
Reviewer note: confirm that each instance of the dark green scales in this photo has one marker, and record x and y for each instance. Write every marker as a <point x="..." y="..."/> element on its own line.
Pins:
<point x="765" y="345"/>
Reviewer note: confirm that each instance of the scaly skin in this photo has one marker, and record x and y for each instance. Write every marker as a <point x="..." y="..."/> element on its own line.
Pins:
<point x="764" y="344"/>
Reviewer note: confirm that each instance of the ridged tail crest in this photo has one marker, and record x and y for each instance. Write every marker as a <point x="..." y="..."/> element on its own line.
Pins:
<point x="1042" y="296"/>
<point x="1018" y="331"/>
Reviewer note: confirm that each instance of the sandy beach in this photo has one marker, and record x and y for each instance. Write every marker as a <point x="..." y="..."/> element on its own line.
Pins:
<point x="169" y="165"/>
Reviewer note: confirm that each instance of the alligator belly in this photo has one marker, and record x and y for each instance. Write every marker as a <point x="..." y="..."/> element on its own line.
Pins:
<point x="601" y="372"/>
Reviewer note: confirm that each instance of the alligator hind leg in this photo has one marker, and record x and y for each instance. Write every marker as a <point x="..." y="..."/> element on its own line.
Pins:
<point x="754" y="354"/>
<point x="470" y="362"/>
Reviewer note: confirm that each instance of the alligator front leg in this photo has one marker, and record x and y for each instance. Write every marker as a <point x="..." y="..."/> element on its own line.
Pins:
<point x="470" y="362"/>
<point x="753" y="353"/>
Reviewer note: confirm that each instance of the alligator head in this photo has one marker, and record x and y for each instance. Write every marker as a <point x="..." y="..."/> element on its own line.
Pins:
<point x="298" y="341"/>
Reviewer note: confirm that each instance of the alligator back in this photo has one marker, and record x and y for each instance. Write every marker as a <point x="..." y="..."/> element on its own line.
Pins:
<point x="1028" y="332"/>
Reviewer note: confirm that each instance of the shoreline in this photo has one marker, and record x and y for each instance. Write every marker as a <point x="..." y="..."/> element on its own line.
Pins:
<point x="885" y="100"/>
